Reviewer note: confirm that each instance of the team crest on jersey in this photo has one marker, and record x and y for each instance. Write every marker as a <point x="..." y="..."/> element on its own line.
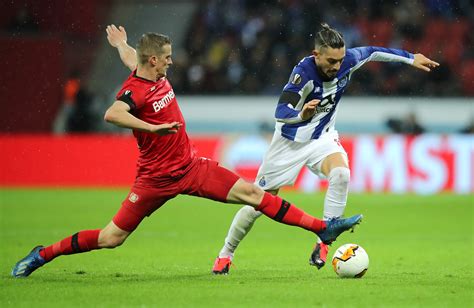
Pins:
<point x="133" y="197"/>
<point x="262" y="182"/>
<point x="296" y="80"/>
<point x="127" y="93"/>
<point x="342" y="82"/>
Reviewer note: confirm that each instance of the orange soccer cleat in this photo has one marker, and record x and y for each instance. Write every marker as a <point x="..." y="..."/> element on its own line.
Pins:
<point x="222" y="266"/>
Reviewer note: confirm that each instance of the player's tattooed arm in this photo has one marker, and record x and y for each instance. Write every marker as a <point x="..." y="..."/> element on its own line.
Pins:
<point x="117" y="38"/>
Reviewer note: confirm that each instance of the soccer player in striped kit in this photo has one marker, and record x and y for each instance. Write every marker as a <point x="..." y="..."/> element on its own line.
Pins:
<point x="305" y="133"/>
<point x="167" y="165"/>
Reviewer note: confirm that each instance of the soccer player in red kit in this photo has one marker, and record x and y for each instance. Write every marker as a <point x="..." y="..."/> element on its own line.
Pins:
<point x="168" y="166"/>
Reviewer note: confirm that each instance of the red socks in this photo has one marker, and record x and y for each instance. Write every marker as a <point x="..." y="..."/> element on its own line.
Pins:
<point x="80" y="242"/>
<point x="280" y="210"/>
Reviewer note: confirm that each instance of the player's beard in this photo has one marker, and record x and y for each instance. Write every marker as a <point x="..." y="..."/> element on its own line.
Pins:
<point x="331" y="74"/>
<point x="325" y="76"/>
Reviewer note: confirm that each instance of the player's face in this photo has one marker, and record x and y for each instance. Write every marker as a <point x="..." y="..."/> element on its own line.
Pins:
<point x="162" y="61"/>
<point x="329" y="60"/>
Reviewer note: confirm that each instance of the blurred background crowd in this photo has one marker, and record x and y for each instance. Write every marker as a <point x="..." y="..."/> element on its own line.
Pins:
<point x="251" y="46"/>
<point x="234" y="47"/>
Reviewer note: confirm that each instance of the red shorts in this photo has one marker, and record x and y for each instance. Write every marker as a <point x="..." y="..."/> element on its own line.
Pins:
<point x="203" y="178"/>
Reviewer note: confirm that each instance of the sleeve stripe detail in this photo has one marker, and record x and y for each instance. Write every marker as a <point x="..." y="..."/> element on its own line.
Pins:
<point x="383" y="57"/>
<point x="388" y="57"/>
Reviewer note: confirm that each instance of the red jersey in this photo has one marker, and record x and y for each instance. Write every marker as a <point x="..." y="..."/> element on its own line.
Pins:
<point x="154" y="102"/>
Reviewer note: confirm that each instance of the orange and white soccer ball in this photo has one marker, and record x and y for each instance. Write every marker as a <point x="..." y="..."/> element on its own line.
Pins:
<point x="350" y="261"/>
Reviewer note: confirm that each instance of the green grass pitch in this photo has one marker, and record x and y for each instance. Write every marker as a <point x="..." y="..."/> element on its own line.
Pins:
<point x="420" y="249"/>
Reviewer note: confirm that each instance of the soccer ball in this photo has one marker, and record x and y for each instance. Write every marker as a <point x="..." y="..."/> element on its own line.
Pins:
<point x="350" y="261"/>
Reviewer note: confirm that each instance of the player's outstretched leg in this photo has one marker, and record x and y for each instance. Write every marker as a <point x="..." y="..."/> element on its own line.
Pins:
<point x="79" y="242"/>
<point x="109" y="237"/>
<point x="327" y="230"/>
<point x="282" y="211"/>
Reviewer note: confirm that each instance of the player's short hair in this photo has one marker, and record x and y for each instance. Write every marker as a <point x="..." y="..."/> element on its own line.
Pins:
<point x="328" y="37"/>
<point x="151" y="44"/>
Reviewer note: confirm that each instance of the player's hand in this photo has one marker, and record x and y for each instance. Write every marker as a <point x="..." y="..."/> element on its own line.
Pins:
<point x="166" y="129"/>
<point x="423" y="63"/>
<point x="116" y="36"/>
<point x="309" y="109"/>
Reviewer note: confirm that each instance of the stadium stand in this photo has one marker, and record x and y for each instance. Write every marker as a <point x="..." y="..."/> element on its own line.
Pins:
<point x="237" y="47"/>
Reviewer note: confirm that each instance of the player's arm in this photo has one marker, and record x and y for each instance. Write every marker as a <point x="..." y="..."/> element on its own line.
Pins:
<point x="117" y="38"/>
<point x="119" y="114"/>
<point x="286" y="112"/>
<point x="372" y="53"/>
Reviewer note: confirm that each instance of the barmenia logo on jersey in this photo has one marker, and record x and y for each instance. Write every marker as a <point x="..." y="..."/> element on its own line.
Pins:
<point x="162" y="103"/>
<point x="133" y="197"/>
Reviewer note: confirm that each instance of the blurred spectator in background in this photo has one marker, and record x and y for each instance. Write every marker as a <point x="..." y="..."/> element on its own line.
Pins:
<point x="408" y="125"/>
<point x="244" y="47"/>
<point x="75" y="114"/>
<point x="82" y="119"/>
<point x="238" y="46"/>
<point x="70" y="91"/>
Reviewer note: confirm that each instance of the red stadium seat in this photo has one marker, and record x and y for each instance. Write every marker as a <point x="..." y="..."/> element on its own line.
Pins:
<point x="429" y="47"/>
<point x="437" y="30"/>
<point x="458" y="29"/>
<point x="452" y="53"/>
<point x="381" y="31"/>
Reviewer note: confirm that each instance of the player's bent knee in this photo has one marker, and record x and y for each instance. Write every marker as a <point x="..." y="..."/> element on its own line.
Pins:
<point x="340" y="176"/>
<point x="112" y="236"/>
<point x="254" y="193"/>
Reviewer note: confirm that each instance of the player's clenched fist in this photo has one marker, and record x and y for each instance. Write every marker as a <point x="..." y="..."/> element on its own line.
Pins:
<point x="309" y="109"/>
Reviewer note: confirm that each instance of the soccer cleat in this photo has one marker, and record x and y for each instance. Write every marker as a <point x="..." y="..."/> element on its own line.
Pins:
<point x="222" y="266"/>
<point x="335" y="226"/>
<point x="319" y="255"/>
<point x="28" y="264"/>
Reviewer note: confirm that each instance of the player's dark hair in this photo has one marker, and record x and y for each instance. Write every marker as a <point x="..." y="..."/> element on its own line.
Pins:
<point x="328" y="37"/>
<point x="151" y="44"/>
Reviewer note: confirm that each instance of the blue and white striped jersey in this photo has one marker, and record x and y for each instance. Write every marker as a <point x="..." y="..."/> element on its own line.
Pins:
<point x="308" y="84"/>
